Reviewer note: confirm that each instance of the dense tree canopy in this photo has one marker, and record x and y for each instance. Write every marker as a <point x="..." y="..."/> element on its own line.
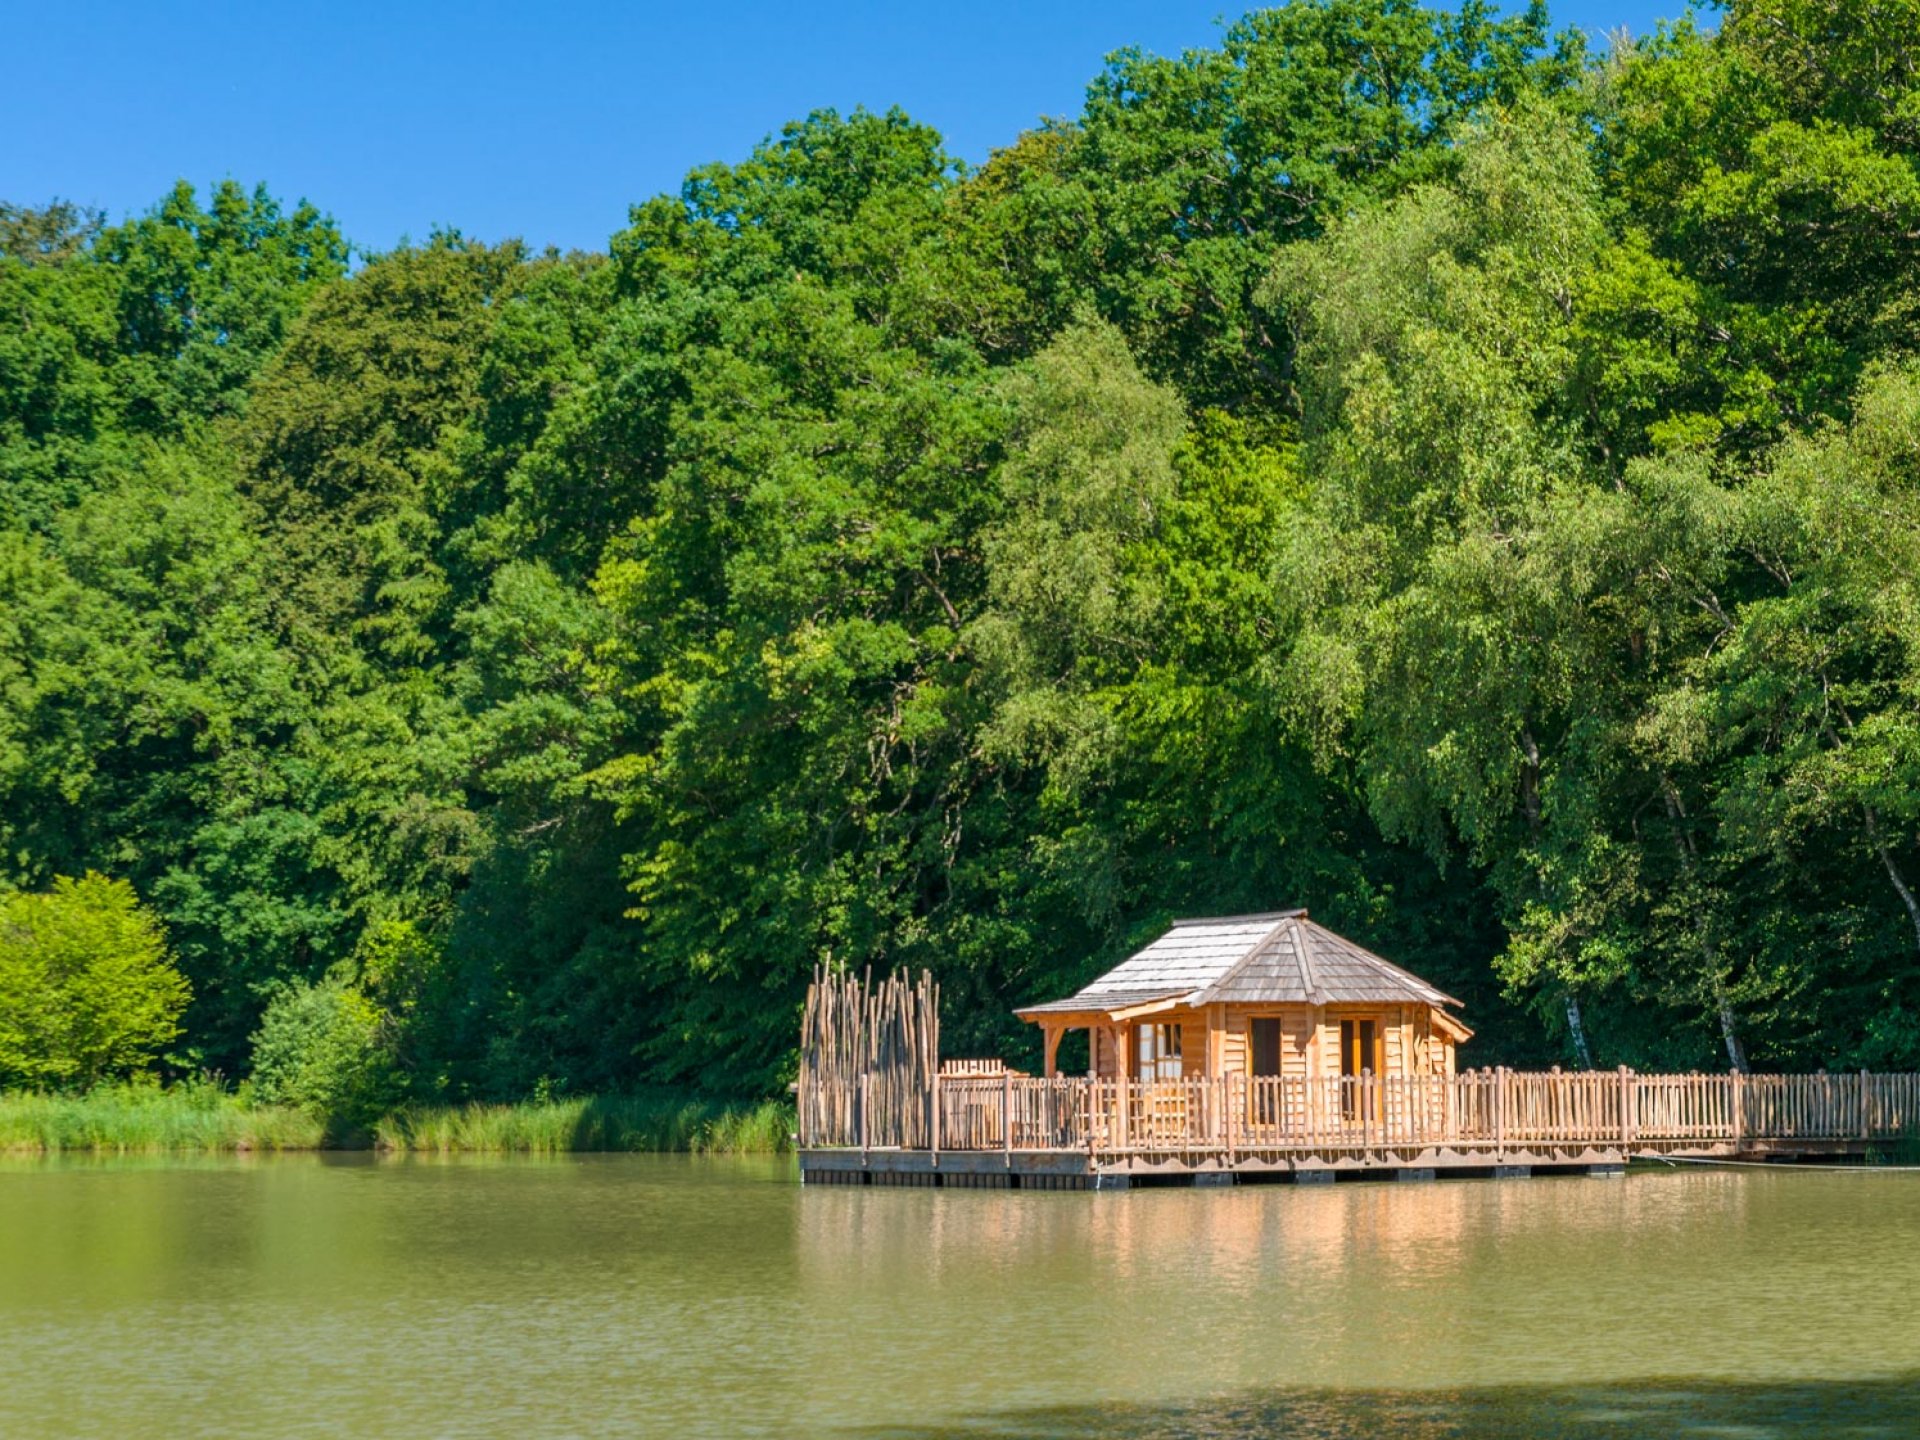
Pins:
<point x="1393" y="462"/>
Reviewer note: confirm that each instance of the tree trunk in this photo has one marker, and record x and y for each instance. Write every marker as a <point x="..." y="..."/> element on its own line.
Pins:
<point x="1577" y="1028"/>
<point x="1893" y="871"/>
<point x="1530" y="805"/>
<point x="1709" y="956"/>
<point x="1736" y="1052"/>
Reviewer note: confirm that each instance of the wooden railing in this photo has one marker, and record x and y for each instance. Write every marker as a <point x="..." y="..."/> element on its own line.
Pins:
<point x="1482" y="1110"/>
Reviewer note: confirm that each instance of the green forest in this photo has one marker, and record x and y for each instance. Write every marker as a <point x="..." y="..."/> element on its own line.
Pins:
<point x="1453" y="475"/>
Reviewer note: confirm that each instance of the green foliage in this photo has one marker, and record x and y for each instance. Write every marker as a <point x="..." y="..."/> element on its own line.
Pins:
<point x="1387" y="461"/>
<point x="149" y="328"/>
<point x="87" y="989"/>
<point x="327" y="1049"/>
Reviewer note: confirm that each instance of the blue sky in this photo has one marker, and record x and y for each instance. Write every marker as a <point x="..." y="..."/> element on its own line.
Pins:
<point x="504" y="120"/>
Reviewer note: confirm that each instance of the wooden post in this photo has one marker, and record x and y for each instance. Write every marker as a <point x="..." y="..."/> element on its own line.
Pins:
<point x="1737" y="1086"/>
<point x="1006" y="1117"/>
<point x="1093" y="1110"/>
<point x="1866" y="1119"/>
<point x="1226" y="1082"/>
<point x="933" y="1120"/>
<point x="1499" y="1113"/>
<point x="1626" y="1110"/>
<point x="802" y="1101"/>
<point x="865" y="1077"/>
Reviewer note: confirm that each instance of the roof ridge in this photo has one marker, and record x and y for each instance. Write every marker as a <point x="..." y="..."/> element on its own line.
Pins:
<point x="1284" y="918"/>
<point x="1231" y="919"/>
<point x="1309" y="982"/>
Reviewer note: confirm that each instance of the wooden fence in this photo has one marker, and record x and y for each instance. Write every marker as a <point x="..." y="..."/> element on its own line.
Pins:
<point x="868" y="1056"/>
<point x="1485" y="1110"/>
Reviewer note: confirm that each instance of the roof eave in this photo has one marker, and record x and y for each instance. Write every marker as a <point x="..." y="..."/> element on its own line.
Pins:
<point x="1093" y="1011"/>
<point x="1457" y="1032"/>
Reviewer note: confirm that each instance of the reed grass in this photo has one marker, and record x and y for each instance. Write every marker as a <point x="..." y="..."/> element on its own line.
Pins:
<point x="201" y="1116"/>
<point x="146" y="1119"/>
<point x="632" y="1123"/>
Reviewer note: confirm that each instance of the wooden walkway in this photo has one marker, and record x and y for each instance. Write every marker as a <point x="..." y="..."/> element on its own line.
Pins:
<point x="983" y="1130"/>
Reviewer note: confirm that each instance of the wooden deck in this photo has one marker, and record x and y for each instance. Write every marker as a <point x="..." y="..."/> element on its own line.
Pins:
<point x="977" y="1130"/>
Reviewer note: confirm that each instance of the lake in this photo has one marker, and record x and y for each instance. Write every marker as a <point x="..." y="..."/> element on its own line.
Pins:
<point x="649" y="1295"/>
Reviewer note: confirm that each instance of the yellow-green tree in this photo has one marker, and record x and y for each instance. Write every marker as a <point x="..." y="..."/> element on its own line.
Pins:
<point x="87" y="989"/>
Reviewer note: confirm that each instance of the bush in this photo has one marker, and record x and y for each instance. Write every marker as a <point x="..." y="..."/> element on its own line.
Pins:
<point x="87" y="989"/>
<point x="329" y="1050"/>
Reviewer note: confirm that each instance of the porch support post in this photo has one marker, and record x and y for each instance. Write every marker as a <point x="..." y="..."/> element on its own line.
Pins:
<point x="1054" y="1032"/>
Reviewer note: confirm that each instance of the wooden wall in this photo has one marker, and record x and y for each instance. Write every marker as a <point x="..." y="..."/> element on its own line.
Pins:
<point x="1310" y="1041"/>
<point x="1193" y="1044"/>
<point x="1219" y="1043"/>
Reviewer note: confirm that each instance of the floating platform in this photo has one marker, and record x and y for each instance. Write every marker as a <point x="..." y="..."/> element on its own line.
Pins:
<point x="1017" y="1132"/>
<point x="1075" y="1170"/>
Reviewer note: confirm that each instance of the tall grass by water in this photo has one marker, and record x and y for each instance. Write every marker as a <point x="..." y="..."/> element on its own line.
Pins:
<point x="146" y="1119"/>
<point x="202" y="1116"/>
<point x="657" y="1123"/>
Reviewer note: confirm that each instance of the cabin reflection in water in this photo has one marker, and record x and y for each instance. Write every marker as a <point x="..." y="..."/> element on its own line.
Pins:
<point x="1341" y="1284"/>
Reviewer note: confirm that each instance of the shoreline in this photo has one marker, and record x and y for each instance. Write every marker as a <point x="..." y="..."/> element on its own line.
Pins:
<point x="202" y="1119"/>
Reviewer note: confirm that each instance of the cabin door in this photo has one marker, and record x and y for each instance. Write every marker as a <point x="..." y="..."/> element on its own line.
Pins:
<point x="1263" y="1037"/>
<point x="1363" y="1051"/>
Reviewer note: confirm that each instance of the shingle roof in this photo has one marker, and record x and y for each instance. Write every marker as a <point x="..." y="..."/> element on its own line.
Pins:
<point x="1277" y="958"/>
<point x="1301" y="962"/>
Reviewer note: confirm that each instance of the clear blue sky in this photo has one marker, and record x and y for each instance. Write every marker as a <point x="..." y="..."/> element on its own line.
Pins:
<point x="513" y="119"/>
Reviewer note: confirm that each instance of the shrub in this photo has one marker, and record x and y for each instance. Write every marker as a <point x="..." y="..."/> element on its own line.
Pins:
<point x="327" y="1049"/>
<point x="87" y="989"/>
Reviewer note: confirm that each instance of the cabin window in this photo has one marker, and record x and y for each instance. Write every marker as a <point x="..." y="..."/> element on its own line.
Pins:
<point x="1264" y="1032"/>
<point x="1158" y="1052"/>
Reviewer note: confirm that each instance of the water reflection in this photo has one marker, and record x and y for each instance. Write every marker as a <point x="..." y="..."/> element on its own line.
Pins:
<point x="1162" y="1292"/>
<point x="1813" y="1411"/>
<point x="659" y="1296"/>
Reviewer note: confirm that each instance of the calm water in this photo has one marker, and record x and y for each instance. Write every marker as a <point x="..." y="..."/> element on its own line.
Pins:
<point x="658" y="1296"/>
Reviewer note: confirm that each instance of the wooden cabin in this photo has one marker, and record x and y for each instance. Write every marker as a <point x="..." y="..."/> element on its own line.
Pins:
<point x="1255" y="995"/>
